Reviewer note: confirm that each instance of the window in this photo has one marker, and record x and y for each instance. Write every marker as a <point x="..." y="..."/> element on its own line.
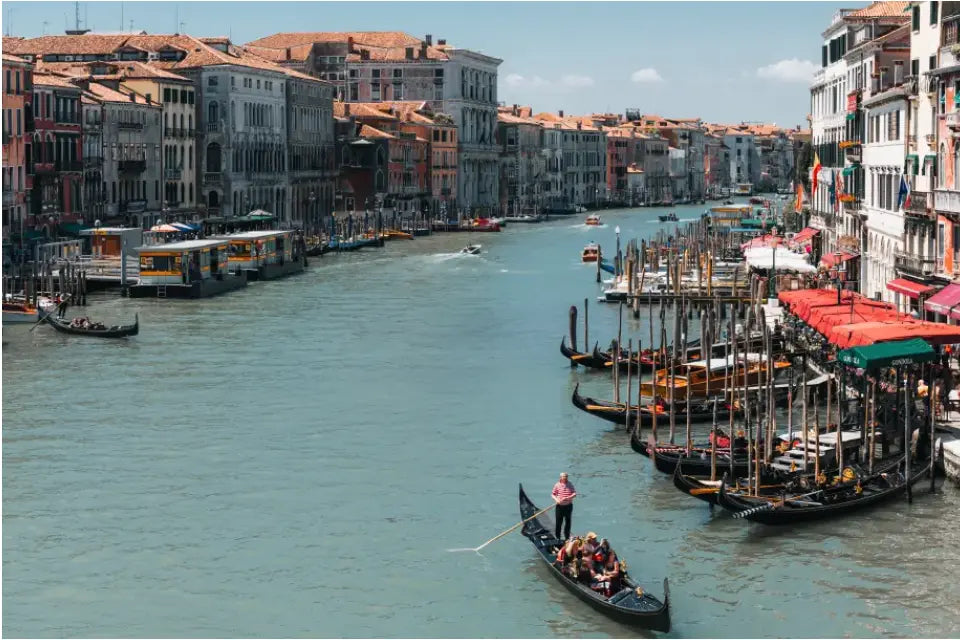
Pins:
<point x="190" y="97"/>
<point x="823" y="55"/>
<point x="915" y="67"/>
<point x="933" y="12"/>
<point x="354" y="93"/>
<point x="233" y="81"/>
<point x="916" y="18"/>
<point x="932" y="63"/>
<point x="212" y="81"/>
<point x="375" y="73"/>
<point x="893" y="126"/>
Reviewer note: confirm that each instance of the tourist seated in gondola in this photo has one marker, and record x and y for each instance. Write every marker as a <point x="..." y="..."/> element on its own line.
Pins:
<point x="723" y="442"/>
<point x="610" y="580"/>
<point x="568" y="552"/>
<point x="589" y="545"/>
<point x="601" y="554"/>
<point x="584" y="571"/>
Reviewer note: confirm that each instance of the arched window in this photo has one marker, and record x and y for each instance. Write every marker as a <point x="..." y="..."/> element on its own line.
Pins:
<point x="213" y="199"/>
<point x="213" y="112"/>
<point x="213" y="157"/>
<point x="190" y="191"/>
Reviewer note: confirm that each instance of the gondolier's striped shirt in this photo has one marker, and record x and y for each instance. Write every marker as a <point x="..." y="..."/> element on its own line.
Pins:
<point x="564" y="492"/>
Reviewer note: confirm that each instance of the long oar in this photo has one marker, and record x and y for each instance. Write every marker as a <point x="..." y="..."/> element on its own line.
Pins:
<point x="41" y="320"/>
<point x="500" y="535"/>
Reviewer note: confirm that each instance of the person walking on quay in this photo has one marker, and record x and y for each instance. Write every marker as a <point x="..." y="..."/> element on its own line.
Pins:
<point x="563" y="495"/>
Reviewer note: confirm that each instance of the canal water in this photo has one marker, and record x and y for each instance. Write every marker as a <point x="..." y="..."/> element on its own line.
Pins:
<point x="295" y="459"/>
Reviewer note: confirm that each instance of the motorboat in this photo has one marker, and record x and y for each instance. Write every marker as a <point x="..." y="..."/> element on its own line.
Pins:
<point x="471" y="249"/>
<point x="590" y="253"/>
<point x="593" y="220"/>
<point x="668" y="217"/>
<point x="19" y="311"/>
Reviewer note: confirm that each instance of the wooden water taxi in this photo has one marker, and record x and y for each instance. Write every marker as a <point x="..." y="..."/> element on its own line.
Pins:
<point x="264" y="255"/>
<point x="188" y="269"/>
<point x="19" y="311"/>
<point x="593" y="220"/>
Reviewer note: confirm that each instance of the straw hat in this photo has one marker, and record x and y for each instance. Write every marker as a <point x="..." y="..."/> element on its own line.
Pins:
<point x="591" y="536"/>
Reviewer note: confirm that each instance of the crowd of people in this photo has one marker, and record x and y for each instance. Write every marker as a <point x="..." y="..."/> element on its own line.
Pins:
<point x="592" y="563"/>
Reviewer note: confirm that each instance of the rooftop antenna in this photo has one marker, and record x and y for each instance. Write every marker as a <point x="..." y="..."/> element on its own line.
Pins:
<point x="76" y="16"/>
<point x="45" y="23"/>
<point x="121" y="16"/>
<point x="131" y="25"/>
<point x="177" y="23"/>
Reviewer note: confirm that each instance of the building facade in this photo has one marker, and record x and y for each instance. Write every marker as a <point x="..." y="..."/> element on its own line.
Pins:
<point x="56" y="191"/>
<point x="18" y="124"/>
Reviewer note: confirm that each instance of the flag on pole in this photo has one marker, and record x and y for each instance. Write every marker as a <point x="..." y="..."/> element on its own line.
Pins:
<point x="816" y="172"/>
<point x="832" y="189"/>
<point x="838" y="187"/>
<point x="799" y="206"/>
<point x="903" y="197"/>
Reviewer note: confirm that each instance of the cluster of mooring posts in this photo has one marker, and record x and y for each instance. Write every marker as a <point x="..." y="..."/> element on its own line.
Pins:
<point x="743" y="402"/>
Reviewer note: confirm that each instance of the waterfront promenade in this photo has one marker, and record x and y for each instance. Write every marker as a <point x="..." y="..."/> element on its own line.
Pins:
<point x="293" y="460"/>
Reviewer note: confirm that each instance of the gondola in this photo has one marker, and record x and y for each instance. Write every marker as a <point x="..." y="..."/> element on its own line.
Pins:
<point x="116" y="331"/>
<point x="631" y="605"/>
<point x="668" y="217"/>
<point x="589" y="360"/>
<point x="616" y="412"/>
<point x="824" y="503"/>
<point x="702" y="488"/>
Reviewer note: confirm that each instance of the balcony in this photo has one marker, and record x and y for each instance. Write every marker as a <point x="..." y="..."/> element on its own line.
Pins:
<point x="909" y="264"/>
<point x="212" y="177"/>
<point x="132" y="166"/>
<point x="133" y="206"/>
<point x="919" y="205"/>
<point x="41" y="168"/>
<point x="130" y="126"/>
<point x="172" y="174"/>
<point x="946" y="201"/>
<point x="213" y="126"/>
<point x="69" y="165"/>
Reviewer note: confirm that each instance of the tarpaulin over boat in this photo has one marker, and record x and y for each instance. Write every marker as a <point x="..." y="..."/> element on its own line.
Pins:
<point x="888" y="354"/>
<point x="908" y="288"/>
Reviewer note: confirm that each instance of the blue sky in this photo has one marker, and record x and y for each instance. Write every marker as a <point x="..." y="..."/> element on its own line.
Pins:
<point x="722" y="61"/>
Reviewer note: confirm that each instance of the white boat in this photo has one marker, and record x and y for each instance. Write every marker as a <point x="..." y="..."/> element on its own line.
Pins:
<point x="593" y="220"/>
<point x="524" y="218"/>
<point x="951" y="459"/>
<point x="472" y="249"/>
<point x="590" y="253"/>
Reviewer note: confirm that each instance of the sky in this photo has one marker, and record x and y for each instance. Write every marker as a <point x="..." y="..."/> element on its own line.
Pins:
<point x="721" y="61"/>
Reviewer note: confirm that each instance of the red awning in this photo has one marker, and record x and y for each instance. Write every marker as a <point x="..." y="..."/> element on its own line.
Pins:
<point x="830" y="259"/>
<point x="944" y="301"/>
<point x="804" y="235"/>
<point x="908" y="288"/>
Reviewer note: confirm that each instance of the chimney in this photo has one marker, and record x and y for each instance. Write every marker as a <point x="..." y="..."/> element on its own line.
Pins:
<point x="441" y="42"/>
<point x="287" y="53"/>
<point x="884" y="77"/>
<point x="349" y="44"/>
<point x="149" y="98"/>
<point x="560" y="113"/>
<point x="409" y="53"/>
<point x="579" y="125"/>
<point x="423" y="50"/>
<point x="429" y="39"/>
<point x="898" y="72"/>
<point x="364" y="54"/>
<point x="516" y="111"/>
<point x="132" y="97"/>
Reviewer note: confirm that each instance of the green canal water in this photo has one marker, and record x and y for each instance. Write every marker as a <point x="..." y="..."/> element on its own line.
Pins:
<point x="295" y="459"/>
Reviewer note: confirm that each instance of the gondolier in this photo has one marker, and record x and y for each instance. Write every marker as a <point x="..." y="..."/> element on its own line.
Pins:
<point x="563" y="494"/>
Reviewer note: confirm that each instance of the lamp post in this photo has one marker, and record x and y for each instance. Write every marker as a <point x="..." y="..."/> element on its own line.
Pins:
<point x="313" y="217"/>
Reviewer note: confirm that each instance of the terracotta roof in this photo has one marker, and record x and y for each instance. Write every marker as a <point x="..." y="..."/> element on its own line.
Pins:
<point x="509" y="118"/>
<point x="384" y="39"/>
<point x="361" y="110"/>
<point x="214" y="39"/>
<point x="366" y="131"/>
<point x="396" y="54"/>
<point x="107" y="94"/>
<point x="48" y="80"/>
<point x="883" y="9"/>
<point x="117" y="70"/>
<point x="12" y="58"/>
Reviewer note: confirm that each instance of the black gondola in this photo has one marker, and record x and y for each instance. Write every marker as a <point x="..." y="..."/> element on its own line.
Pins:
<point x="116" y="331"/>
<point x="823" y="503"/>
<point x="589" y="360"/>
<point x="631" y="605"/>
<point x="616" y="412"/>
<point x="668" y="217"/>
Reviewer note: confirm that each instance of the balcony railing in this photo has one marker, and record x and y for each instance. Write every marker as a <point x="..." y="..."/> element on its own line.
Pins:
<point x="43" y="167"/>
<point x="172" y="174"/>
<point x="920" y="202"/>
<point x="132" y="166"/>
<point x="212" y="177"/>
<point x="946" y="200"/>
<point x="130" y="126"/>
<point x="213" y="126"/>
<point x="913" y="265"/>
